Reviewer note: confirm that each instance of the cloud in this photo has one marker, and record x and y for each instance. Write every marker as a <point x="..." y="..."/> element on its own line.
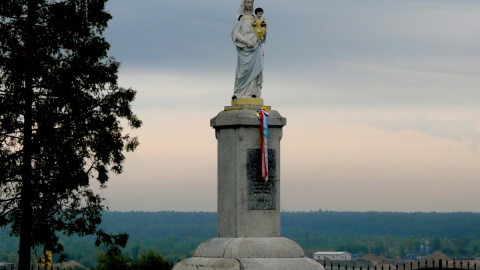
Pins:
<point x="381" y="99"/>
<point x="319" y="54"/>
<point x="457" y="124"/>
<point x="169" y="34"/>
<point x="338" y="159"/>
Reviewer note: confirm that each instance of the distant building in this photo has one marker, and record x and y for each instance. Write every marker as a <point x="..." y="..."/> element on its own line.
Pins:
<point x="424" y="246"/>
<point x="6" y="265"/>
<point x="332" y="255"/>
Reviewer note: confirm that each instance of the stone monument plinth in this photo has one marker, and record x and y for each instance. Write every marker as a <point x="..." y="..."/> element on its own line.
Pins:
<point x="248" y="206"/>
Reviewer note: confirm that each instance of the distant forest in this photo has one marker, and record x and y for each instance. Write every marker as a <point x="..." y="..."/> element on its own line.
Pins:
<point x="176" y="234"/>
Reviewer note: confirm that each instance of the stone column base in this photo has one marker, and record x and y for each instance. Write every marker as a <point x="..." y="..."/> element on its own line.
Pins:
<point x="256" y="253"/>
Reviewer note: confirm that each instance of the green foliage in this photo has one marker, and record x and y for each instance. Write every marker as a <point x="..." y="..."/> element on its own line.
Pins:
<point x="383" y="233"/>
<point x="60" y="121"/>
<point x="117" y="262"/>
<point x="176" y="235"/>
<point x="380" y="223"/>
<point x="148" y="261"/>
<point x="151" y="261"/>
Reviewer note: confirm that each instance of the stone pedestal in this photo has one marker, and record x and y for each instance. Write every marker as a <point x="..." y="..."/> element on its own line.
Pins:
<point x="248" y="207"/>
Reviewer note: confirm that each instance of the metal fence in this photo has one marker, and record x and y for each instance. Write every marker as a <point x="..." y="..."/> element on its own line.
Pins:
<point x="7" y="266"/>
<point x="33" y="267"/>
<point x="410" y="265"/>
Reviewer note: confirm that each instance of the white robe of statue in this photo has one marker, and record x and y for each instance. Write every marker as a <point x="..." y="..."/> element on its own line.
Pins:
<point x="249" y="74"/>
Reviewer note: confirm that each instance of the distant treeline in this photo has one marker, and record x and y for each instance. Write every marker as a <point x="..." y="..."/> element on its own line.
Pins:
<point x="177" y="234"/>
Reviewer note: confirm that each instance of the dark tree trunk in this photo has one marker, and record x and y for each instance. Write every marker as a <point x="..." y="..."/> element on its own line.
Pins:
<point x="26" y="203"/>
<point x="25" y="243"/>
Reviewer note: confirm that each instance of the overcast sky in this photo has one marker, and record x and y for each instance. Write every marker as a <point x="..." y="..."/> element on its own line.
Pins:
<point x="381" y="100"/>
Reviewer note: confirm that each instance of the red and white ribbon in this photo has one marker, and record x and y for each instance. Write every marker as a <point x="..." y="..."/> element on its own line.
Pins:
<point x="263" y="116"/>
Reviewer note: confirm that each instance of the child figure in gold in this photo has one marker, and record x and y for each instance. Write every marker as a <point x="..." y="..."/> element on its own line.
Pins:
<point x="260" y="25"/>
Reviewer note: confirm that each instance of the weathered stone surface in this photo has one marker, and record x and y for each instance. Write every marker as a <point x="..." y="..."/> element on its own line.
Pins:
<point x="196" y="263"/>
<point x="248" y="209"/>
<point x="248" y="264"/>
<point x="254" y="247"/>
<point x="213" y="248"/>
<point x="280" y="264"/>
<point x="241" y="212"/>
<point x="245" y="117"/>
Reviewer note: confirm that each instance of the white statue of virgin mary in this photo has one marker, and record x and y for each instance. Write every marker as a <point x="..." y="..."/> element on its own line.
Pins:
<point x="249" y="74"/>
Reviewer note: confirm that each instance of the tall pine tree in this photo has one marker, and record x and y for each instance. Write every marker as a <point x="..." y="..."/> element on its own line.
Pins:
<point x="61" y="121"/>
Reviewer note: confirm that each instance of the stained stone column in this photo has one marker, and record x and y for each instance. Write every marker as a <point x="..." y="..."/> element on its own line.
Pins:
<point x="248" y="207"/>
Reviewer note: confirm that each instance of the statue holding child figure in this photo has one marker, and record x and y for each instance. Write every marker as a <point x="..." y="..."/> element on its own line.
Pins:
<point x="248" y="35"/>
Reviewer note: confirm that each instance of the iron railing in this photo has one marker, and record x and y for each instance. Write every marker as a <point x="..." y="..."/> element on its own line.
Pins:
<point x="410" y="265"/>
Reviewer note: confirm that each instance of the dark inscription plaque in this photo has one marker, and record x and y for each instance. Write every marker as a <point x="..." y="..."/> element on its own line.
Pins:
<point x="261" y="195"/>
